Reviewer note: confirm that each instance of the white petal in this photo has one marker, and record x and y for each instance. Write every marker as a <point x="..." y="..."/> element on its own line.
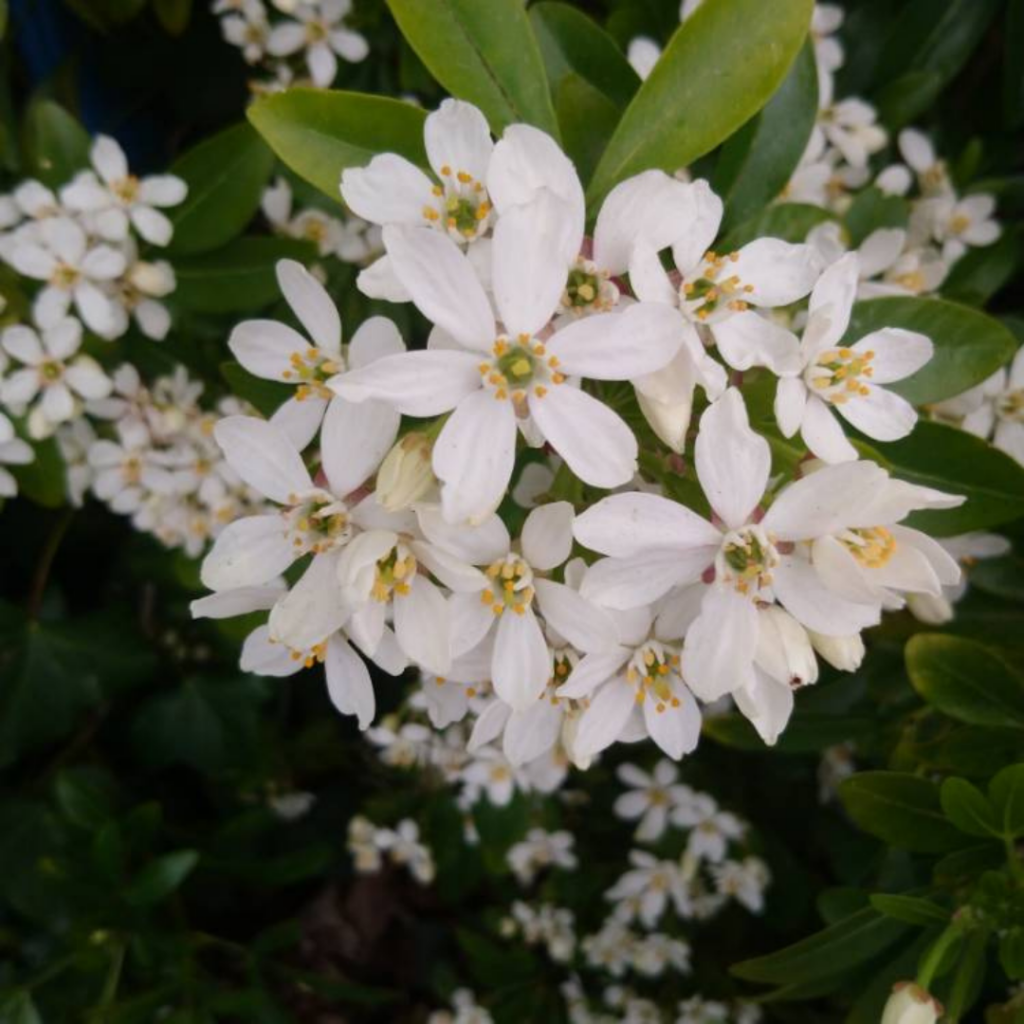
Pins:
<point x="264" y="657"/>
<point x="376" y="338"/>
<point x="532" y="250"/>
<point x="323" y="65"/>
<point x="732" y="461"/>
<point x="718" y="656"/>
<point x="800" y="590"/>
<point x="108" y="158"/>
<point x="313" y="608"/>
<point x="241" y="601"/>
<point x="474" y="456"/>
<point x="648" y="278"/>
<point x="831" y="302"/>
<point x="353" y="440"/>
<point x="532" y="732"/>
<point x="632" y="523"/>
<point x="790" y="403"/>
<point x="880" y="414"/>
<point x="479" y="545"/>
<point x="263" y="457"/>
<point x="489" y="725"/>
<point x="897" y="353"/>
<point x="379" y="281"/>
<point x="594" y="441"/>
<point x="823" y="434"/>
<point x="604" y="720"/>
<point x="442" y="284"/>
<point x="162" y="190"/>
<point x="778" y="272"/>
<point x="640" y="579"/>
<point x="676" y="730"/>
<point x="23" y="343"/>
<point x="840" y="572"/>
<point x="152" y="225"/>
<point x="696" y="236"/>
<point x="457" y="137"/>
<point x="749" y="339"/>
<point x="767" y="705"/>
<point x="423" y="626"/>
<point x="247" y="553"/>
<point x="300" y="419"/>
<point x="421" y="383"/>
<point x="348" y="682"/>
<point x="620" y="346"/>
<point x="583" y="624"/>
<point x="592" y="670"/>
<point x="310" y="302"/>
<point x="63" y="339"/>
<point x="87" y="379"/>
<point x="471" y="622"/>
<point x="389" y="190"/>
<point x="265" y="348"/>
<point x="547" y="535"/>
<point x="522" y="661"/>
<point x="945" y="567"/>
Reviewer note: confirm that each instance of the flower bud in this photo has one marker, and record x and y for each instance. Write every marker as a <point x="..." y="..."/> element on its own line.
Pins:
<point x="842" y="652"/>
<point x="405" y="475"/>
<point x="929" y="608"/>
<point x="910" y="1004"/>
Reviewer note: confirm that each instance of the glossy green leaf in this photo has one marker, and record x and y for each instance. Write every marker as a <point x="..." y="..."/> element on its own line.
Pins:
<point x="484" y="53"/>
<point x="910" y="909"/>
<point x="226" y="175"/>
<point x="239" y="277"/>
<point x="789" y="221"/>
<point x="86" y="796"/>
<point x="1011" y="953"/>
<point x="982" y="272"/>
<point x="19" y="1008"/>
<point x="43" y="480"/>
<point x="758" y="161"/>
<point x="160" y="877"/>
<point x="588" y="118"/>
<point x="872" y="210"/>
<point x="573" y="44"/>
<point x="710" y="80"/>
<point x="969" y="976"/>
<point x="806" y="732"/>
<point x="969" y="345"/>
<point x="956" y="462"/>
<point x="965" y="680"/>
<point x="56" y="145"/>
<point x="319" y="133"/>
<point x="900" y="809"/>
<point x="1006" y="791"/>
<point x="969" y="809"/>
<point x="837" y="949"/>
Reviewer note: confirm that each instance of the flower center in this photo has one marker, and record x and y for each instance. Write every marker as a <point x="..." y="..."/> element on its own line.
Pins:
<point x="1010" y="406"/>
<point x="461" y="206"/>
<point x="588" y="289"/>
<point x="64" y="276"/>
<point x="519" y="366"/>
<point x="872" y="546"/>
<point x="652" y="669"/>
<point x="317" y="522"/>
<point x="511" y="586"/>
<point x="126" y="189"/>
<point x="316" y="32"/>
<point x="713" y="290"/>
<point x="394" y="573"/>
<point x="838" y="374"/>
<point x="50" y="371"/>
<point x="309" y="370"/>
<point x="746" y="559"/>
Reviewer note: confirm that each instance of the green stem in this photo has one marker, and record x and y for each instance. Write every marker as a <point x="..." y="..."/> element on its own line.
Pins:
<point x="935" y="955"/>
<point x="42" y="573"/>
<point x="111" y="985"/>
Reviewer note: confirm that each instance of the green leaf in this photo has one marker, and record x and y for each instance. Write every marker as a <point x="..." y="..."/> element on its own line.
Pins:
<point x="965" y="680"/>
<point x="872" y="210"/>
<point x="837" y="949"/>
<point x="484" y="53"/>
<point x="951" y="460"/>
<point x="573" y="44"/>
<point x="86" y="796"/>
<point x="160" y="877"/>
<point x="588" y="119"/>
<point x="19" y="1009"/>
<point x="56" y="145"/>
<point x="758" y="161"/>
<point x="239" y="277"/>
<point x="1006" y="791"/>
<point x="44" y="479"/>
<point x="319" y="133"/>
<point x="968" y="809"/>
<point x="266" y="395"/>
<point x="789" y="221"/>
<point x="807" y="732"/>
<point x="226" y="175"/>
<point x="1011" y="953"/>
<point x="710" y="80"/>
<point x="982" y="272"/>
<point x="173" y="15"/>
<point x="969" y="345"/>
<point x="900" y="809"/>
<point x="969" y="976"/>
<point x="910" y="909"/>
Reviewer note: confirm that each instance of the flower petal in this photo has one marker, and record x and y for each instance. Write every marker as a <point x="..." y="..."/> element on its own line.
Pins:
<point x="423" y="626"/>
<point x="638" y="580"/>
<point x="348" y="682"/>
<point x="718" y="656"/>
<point x="353" y="440"/>
<point x="457" y="137"/>
<point x="389" y="190"/>
<point x="547" y="535"/>
<point x="823" y="434"/>
<point x="247" y="553"/>
<point x="604" y="720"/>
<point x="522" y="661"/>
<point x="310" y="302"/>
<point x="880" y="414"/>
<point x="897" y="353"/>
<point x="583" y="624"/>
<point x="750" y="339"/>
<point x="376" y="338"/>
<point x="777" y="272"/>
<point x="263" y="457"/>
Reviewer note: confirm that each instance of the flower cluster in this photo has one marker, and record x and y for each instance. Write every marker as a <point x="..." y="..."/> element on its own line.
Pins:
<point x="370" y="845"/>
<point x="540" y="337"/>
<point x="292" y="41"/>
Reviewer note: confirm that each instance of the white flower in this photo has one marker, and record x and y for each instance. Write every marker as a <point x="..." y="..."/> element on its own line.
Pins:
<point x="145" y="282"/>
<point x="13" y="452"/>
<point x="60" y="254"/>
<point x="247" y="28"/>
<point x="539" y="850"/>
<point x="319" y="29"/>
<point x="910" y="1004"/>
<point x="712" y="829"/>
<point x="957" y="224"/>
<point x="53" y="379"/>
<point x="698" y="1010"/>
<point x="403" y="846"/>
<point x="651" y="798"/>
<point x="278" y="352"/>
<point x="128" y="470"/>
<point x="850" y="125"/>
<point x="653" y="953"/>
<point x="846" y="377"/>
<point x="500" y="381"/>
<point x="744" y="881"/>
<point x="918" y="152"/>
<point x="466" y="1011"/>
<point x="654" y="884"/>
<point x="112" y="197"/>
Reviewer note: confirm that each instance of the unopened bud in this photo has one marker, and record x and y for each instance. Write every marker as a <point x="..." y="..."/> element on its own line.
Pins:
<point x="405" y="475"/>
<point x="910" y="1004"/>
<point x="842" y="652"/>
<point x="669" y="420"/>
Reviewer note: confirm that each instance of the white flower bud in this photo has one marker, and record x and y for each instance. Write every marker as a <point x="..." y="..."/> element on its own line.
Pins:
<point x="910" y="1004"/>
<point x="405" y="475"/>
<point x="842" y="652"/>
